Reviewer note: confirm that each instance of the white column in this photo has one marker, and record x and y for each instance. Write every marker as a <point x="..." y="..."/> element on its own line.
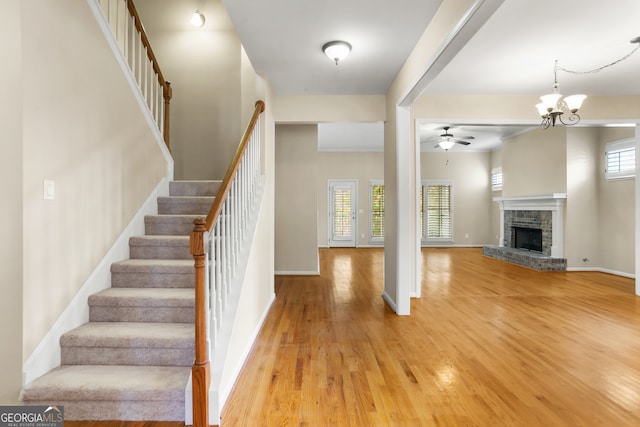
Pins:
<point x="501" y="241"/>
<point x="557" y="225"/>
<point x="405" y="214"/>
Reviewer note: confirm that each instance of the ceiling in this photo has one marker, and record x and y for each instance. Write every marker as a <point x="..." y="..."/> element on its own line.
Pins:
<point x="513" y="53"/>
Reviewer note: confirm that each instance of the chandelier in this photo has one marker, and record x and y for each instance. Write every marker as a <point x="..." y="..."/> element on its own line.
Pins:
<point x="553" y="106"/>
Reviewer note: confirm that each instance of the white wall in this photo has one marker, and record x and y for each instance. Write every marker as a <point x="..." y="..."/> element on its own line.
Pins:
<point x="296" y="206"/>
<point x="204" y="68"/>
<point x="11" y="176"/>
<point x="84" y="130"/>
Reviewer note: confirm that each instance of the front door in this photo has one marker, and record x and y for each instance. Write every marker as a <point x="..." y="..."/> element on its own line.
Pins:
<point x="342" y="213"/>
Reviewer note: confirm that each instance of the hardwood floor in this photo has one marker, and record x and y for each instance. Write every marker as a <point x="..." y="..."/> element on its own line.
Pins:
<point x="488" y="344"/>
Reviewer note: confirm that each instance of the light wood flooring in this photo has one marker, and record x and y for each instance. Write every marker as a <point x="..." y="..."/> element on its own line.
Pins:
<point x="488" y="344"/>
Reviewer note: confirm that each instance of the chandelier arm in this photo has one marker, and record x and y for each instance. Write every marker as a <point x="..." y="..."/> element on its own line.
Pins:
<point x="572" y="119"/>
<point x="545" y="123"/>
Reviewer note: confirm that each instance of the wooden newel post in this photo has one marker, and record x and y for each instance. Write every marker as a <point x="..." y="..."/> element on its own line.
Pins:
<point x="167" y="93"/>
<point x="200" y="371"/>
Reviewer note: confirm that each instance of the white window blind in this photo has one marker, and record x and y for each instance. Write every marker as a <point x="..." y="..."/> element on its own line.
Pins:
<point x="620" y="159"/>
<point x="376" y="195"/>
<point x="342" y="212"/>
<point x="496" y="179"/>
<point x="436" y="202"/>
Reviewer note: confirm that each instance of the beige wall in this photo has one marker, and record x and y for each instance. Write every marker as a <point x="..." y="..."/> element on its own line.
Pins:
<point x="361" y="167"/>
<point x="329" y="108"/>
<point x="470" y="173"/>
<point x="11" y="303"/>
<point x="535" y="163"/>
<point x="581" y="247"/>
<point x="296" y="206"/>
<point x="84" y="130"/>
<point x="616" y="207"/>
<point x="204" y="68"/>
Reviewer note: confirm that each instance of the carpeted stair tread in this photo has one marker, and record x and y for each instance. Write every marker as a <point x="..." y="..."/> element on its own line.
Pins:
<point x="184" y="205"/>
<point x="160" y="247"/>
<point x="194" y="188"/>
<point x="160" y="266"/>
<point x="130" y="335"/>
<point x="109" y="383"/>
<point x="165" y="225"/>
<point x="144" y="297"/>
<point x="159" y="240"/>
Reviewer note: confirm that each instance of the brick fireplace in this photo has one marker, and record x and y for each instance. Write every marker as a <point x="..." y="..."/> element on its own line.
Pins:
<point x="541" y="216"/>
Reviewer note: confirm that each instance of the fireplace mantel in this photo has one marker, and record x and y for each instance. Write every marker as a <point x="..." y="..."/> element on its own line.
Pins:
<point x="549" y="202"/>
<point x="546" y="202"/>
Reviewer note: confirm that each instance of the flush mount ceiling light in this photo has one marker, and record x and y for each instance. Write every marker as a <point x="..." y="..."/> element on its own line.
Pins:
<point x="197" y="19"/>
<point x="553" y="106"/>
<point x="336" y="50"/>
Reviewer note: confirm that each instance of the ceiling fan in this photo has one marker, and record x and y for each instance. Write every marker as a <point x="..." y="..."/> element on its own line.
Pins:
<point x="447" y="140"/>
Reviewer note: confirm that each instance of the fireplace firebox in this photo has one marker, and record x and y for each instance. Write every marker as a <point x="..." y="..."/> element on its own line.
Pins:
<point x="527" y="238"/>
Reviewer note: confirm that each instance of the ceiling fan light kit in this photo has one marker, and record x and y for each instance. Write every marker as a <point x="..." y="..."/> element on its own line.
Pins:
<point x="554" y="106"/>
<point x="446" y="140"/>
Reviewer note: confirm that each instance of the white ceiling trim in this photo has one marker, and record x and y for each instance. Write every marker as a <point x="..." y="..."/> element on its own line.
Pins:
<point x="465" y="29"/>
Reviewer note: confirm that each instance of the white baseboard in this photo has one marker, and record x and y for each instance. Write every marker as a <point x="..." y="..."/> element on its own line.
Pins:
<point x="603" y="270"/>
<point x="46" y="355"/>
<point x="389" y="301"/>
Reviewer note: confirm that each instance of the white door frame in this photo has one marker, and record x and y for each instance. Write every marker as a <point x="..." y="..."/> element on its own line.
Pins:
<point x="353" y="184"/>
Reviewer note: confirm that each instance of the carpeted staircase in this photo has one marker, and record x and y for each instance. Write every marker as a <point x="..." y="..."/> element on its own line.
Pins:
<point x="133" y="358"/>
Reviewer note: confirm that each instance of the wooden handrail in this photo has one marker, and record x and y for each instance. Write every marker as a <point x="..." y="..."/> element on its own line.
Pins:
<point x="167" y="91"/>
<point x="223" y="191"/>
<point x="200" y="372"/>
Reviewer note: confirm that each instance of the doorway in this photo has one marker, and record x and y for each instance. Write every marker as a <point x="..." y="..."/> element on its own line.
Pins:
<point x="343" y="225"/>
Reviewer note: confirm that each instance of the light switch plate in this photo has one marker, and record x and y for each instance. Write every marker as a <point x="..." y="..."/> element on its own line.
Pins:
<point x="49" y="189"/>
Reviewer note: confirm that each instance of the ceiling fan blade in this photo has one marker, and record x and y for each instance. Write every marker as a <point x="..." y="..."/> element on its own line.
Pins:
<point x="436" y="146"/>
<point x="468" y="137"/>
<point x="431" y="139"/>
<point x="459" y="141"/>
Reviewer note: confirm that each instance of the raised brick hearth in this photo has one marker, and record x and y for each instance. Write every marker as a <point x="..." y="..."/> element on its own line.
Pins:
<point x="545" y="213"/>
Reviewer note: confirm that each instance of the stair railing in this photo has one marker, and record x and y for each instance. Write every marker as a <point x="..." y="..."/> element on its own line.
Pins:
<point x="215" y="245"/>
<point x="122" y="17"/>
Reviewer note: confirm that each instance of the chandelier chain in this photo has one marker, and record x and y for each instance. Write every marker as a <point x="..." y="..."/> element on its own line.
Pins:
<point x="597" y="70"/>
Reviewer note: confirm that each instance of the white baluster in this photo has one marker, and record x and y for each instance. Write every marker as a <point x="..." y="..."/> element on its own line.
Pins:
<point x="218" y="259"/>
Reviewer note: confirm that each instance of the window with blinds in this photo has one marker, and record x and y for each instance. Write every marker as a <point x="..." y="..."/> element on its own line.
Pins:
<point x="620" y="159"/>
<point x="436" y="208"/>
<point x="376" y="196"/>
<point x="496" y="179"/>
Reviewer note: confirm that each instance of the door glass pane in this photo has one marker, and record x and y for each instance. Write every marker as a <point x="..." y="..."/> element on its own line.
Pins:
<point x="342" y="212"/>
